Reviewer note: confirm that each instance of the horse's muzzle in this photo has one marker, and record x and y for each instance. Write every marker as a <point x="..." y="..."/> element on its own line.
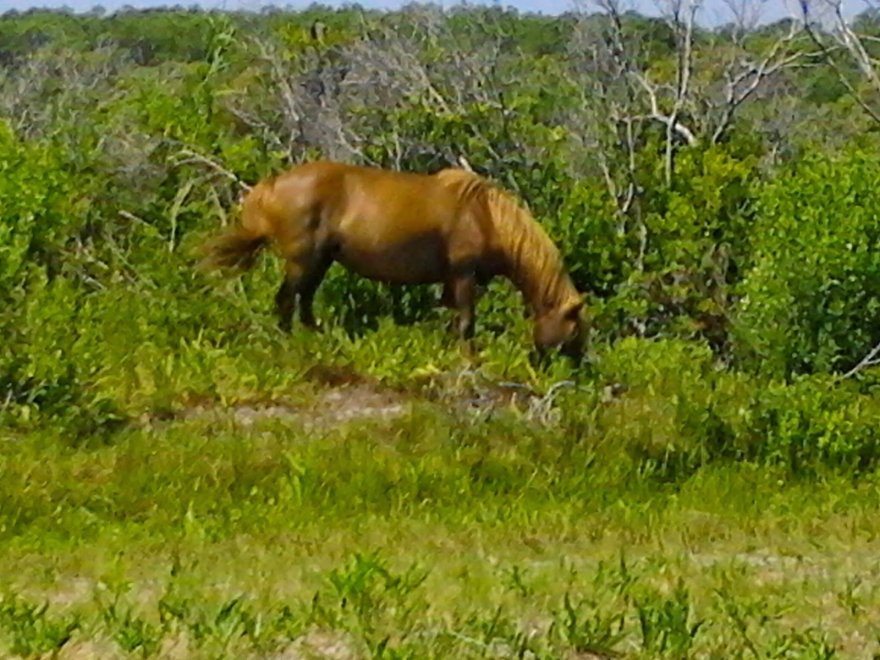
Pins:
<point x="573" y="350"/>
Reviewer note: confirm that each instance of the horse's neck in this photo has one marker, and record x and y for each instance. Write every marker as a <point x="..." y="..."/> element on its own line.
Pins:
<point x="531" y="260"/>
<point x="538" y="293"/>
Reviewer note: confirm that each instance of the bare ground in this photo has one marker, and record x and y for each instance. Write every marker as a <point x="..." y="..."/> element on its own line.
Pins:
<point x="345" y="396"/>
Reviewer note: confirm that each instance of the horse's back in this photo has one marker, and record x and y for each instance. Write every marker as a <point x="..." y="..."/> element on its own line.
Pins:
<point x="328" y="182"/>
<point x="384" y="224"/>
<point x="395" y="226"/>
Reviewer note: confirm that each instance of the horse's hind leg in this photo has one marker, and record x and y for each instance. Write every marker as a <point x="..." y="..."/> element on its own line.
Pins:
<point x="447" y="298"/>
<point x="309" y="285"/>
<point x="285" y="298"/>
<point x="302" y="276"/>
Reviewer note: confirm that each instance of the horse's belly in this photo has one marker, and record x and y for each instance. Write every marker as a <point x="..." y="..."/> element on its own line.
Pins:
<point x="419" y="260"/>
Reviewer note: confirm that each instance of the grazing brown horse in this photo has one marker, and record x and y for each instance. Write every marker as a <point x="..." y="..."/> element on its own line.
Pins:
<point x="451" y="227"/>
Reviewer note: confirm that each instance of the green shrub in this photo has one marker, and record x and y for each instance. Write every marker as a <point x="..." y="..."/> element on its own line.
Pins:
<point x="41" y="207"/>
<point x="671" y="406"/>
<point x="816" y="422"/>
<point x="668" y="403"/>
<point x="695" y="240"/>
<point x="811" y="301"/>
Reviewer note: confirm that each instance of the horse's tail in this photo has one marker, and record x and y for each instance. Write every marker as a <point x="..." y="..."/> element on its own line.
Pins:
<point x="236" y="248"/>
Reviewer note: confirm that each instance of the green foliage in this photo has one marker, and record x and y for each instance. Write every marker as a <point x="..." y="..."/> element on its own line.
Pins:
<point x="22" y="35"/>
<point x="31" y="629"/>
<point x="676" y="410"/>
<point x="695" y="240"/>
<point x="131" y="632"/>
<point x="809" y="301"/>
<point x="816" y="421"/>
<point x="533" y="34"/>
<point x="155" y="37"/>
<point x="591" y="631"/>
<point x="40" y="204"/>
<point x="666" y="624"/>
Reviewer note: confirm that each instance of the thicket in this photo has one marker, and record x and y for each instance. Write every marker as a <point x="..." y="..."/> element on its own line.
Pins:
<point x="723" y="223"/>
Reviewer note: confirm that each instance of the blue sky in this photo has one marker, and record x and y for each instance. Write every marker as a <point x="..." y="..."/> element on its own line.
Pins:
<point x="714" y="12"/>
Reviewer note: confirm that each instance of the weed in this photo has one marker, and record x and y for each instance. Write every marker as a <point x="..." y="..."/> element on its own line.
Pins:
<point x="587" y="629"/>
<point x="31" y="628"/>
<point x="666" y="623"/>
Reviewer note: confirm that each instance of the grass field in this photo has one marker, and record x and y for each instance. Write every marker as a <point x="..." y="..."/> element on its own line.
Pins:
<point x="436" y="515"/>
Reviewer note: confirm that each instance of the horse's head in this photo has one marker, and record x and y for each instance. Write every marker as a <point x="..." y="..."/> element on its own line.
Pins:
<point x="561" y="327"/>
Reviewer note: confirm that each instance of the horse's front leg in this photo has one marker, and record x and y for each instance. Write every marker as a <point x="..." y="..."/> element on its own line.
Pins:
<point x="463" y="287"/>
<point x="447" y="298"/>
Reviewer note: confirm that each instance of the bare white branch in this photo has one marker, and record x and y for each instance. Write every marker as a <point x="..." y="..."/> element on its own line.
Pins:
<point x="847" y="40"/>
<point x="187" y="156"/>
<point x="751" y="75"/>
<point x="280" y="77"/>
<point x="655" y="114"/>
<point x="870" y="360"/>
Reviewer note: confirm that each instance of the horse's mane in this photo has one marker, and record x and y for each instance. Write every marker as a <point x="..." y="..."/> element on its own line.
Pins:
<point x="535" y="262"/>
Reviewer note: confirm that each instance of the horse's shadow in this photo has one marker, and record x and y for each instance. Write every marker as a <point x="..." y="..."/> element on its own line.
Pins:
<point x="358" y="306"/>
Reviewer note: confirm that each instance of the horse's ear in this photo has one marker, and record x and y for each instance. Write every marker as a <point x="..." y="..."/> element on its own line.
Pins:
<point x="574" y="310"/>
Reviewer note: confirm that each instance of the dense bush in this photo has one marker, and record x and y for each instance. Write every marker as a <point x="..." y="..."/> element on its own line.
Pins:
<point x="679" y="409"/>
<point x="810" y="301"/>
<point x="42" y="205"/>
<point x="677" y="280"/>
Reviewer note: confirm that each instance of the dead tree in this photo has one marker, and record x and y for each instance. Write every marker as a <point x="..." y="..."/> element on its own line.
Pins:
<point x="699" y="102"/>
<point x="841" y="47"/>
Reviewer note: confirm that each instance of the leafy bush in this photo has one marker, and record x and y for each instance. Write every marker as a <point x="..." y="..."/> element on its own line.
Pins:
<point x="817" y="422"/>
<point x="695" y="236"/>
<point x="811" y="300"/>
<point x="672" y="407"/>
<point x="668" y="403"/>
<point x="41" y="207"/>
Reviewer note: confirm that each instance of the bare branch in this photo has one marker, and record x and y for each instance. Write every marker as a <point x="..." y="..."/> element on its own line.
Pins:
<point x="697" y="107"/>
<point x="683" y="27"/>
<point x="854" y="45"/>
<point x="870" y="360"/>
<point x="280" y="77"/>
<point x="740" y="86"/>
<point x="188" y="156"/>
<point x="685" y="35"/>
<point x="855" y="49"/>
<point x="463" y="162"/>
<point x="746" y="15"/>
<point x="667" y="120"/>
